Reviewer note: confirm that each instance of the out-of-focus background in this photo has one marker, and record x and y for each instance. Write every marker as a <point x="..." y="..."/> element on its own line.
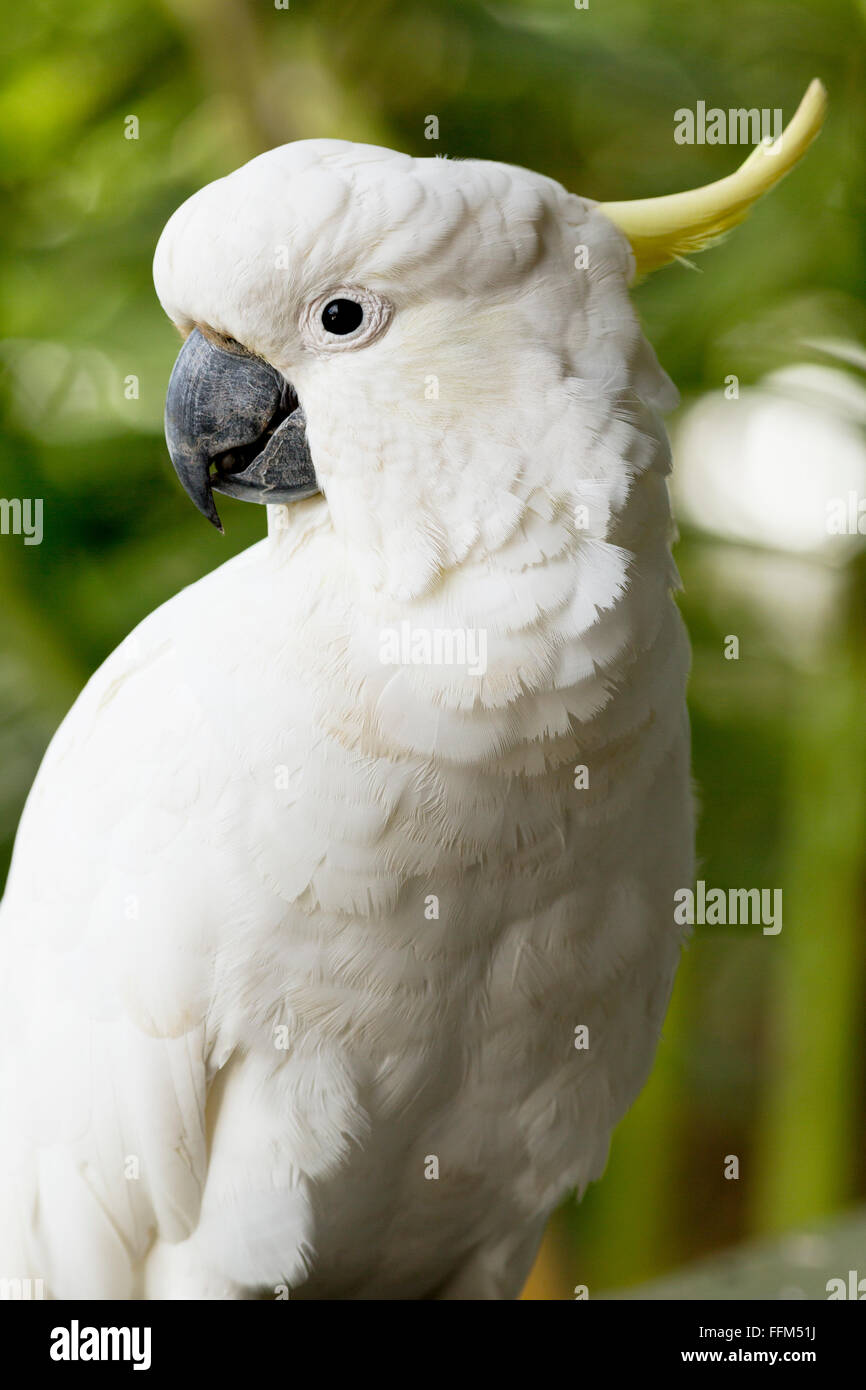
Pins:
<point x="112" y="114"/>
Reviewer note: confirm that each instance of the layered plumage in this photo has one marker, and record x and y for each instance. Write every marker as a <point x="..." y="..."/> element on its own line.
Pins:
<point x="285" y="922"/>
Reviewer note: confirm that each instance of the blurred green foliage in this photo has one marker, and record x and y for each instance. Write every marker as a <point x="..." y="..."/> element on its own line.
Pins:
<point x="762" y="1053"/>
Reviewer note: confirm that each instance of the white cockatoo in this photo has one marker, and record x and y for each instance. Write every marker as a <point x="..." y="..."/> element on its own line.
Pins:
<point x="339" y="931"/>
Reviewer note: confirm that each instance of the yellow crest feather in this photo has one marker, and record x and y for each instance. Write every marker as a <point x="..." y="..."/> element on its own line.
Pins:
<point x="678" y="224"/>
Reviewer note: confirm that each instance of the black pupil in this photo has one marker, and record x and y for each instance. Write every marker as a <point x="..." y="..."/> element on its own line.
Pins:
<point x="342" y="316"/>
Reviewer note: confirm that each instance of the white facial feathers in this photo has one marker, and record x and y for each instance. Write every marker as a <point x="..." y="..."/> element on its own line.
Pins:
<point x="508" y="370"/>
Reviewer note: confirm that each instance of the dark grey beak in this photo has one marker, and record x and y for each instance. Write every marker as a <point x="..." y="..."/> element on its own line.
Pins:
<point x="234" y="425"/>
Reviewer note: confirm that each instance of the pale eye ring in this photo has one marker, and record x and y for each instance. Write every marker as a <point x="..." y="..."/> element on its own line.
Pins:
<point x="346" y="317"/>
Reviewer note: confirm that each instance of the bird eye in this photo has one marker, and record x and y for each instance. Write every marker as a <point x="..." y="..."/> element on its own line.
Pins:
<point x="342" y="316"/>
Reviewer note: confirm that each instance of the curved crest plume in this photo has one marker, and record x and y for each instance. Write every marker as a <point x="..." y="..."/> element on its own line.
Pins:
<point x="676" y="225"/>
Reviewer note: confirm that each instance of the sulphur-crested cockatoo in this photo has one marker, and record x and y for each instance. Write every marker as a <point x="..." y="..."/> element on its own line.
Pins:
<point x="339" y="932"/>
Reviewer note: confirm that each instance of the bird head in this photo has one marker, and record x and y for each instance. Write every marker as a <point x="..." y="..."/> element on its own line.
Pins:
<point x="427" y="342"/>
